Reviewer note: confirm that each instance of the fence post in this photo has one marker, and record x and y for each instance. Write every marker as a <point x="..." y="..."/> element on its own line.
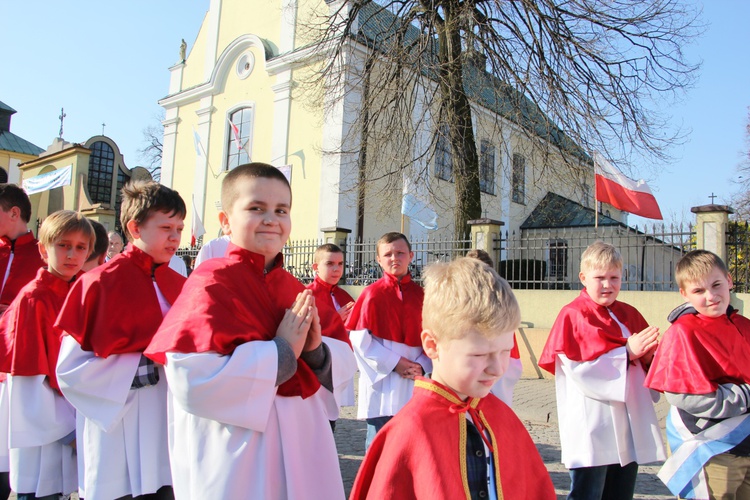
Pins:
<point x="336" y="235"/>
<point x="711" y="225"/>
<point x="484" y="233"/>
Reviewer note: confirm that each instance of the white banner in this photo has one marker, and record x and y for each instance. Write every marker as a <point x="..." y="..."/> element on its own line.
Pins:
<point x="50" y="180"/>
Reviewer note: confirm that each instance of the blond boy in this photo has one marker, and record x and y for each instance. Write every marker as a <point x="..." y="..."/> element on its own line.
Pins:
<point x="252" y="362"/>
<point x="42" y="422"/>
<point x="109" y="318"/>
<point x="599" y="350"/>
<point x="703" y="368"/>
<point x="454" y="439"/>
<point x="385" y="326"/>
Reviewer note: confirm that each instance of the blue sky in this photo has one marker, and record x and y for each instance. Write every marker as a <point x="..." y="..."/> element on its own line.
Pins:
<point x="106" y="62"/>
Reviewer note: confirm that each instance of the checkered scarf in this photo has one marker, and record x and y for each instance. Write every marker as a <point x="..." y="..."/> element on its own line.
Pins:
<point x="146" y="375"/>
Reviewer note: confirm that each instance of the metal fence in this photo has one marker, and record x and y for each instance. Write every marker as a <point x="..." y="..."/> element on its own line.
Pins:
<point x="550" y="258"/>
<point x="360" y="260"/>
<point x="738" y="255"/>
<point x="539" y="259"/>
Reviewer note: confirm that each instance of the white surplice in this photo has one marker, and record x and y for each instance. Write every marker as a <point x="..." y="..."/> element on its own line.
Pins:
<point x="383" y="392"/>
<point x="231" y="436"/>
<point x="606" y="415"/>
<point x="40" y="420"/>
<point x="503" y="388"/>
<point x="122" y="433"/>
<point x="4" y="417"/>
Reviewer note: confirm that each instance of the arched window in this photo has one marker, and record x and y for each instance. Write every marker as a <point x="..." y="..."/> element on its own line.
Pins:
<point x="238" y="139"/>
<point x="101" y="167"/>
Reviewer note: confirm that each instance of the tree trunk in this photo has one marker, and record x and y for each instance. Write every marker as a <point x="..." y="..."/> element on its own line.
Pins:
<point x="456" y="112"/>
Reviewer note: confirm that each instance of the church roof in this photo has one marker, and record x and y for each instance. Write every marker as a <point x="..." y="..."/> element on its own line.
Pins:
<point x="5" y="108"/>
<point x="11" y="142"/>
<point x="555" y="211"/>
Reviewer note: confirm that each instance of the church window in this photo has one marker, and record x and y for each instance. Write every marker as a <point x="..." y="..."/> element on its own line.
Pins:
<point x="443" y="155"/>
<point x="238" y="138"/>
<point x="101" y="167"/>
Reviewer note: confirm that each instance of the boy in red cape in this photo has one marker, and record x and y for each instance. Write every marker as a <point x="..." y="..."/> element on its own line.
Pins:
<point x="454" y="439"/>
<point x="328" y="264"/>
<point x="42" y="422"/>
<point x="252" y="361"/>
<point x="703" y="368"/>
<point x="599" y="350"/>
<point x="108" y="319"/>
<point x="19" y="263"/>
<point x="384" y="329"/>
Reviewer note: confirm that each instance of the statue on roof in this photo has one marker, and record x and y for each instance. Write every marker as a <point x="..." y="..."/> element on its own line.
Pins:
<point x="183" y="50"/>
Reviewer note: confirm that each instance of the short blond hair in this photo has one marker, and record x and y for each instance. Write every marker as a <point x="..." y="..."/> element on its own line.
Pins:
<point x="696" y="265"/>
<point x="467" y="294"/>
<point x="326" y="248"/>
<point x="600" y="255"/>
<point x="62" y="222"/>
<point x="390" y="238"/>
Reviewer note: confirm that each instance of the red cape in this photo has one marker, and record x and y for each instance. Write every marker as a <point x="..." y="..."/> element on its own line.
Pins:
<point x="390" y="310"/>
<point x="113" y="309"/>
<point x="323" y="291"/>
<point x="584" y="330"/>
<point x="26" y="262"/>
<point x="28" y="339"/>
<point x="419" y="453"/>
<point x="697" y="353"/>
<point x="229" y="301"/>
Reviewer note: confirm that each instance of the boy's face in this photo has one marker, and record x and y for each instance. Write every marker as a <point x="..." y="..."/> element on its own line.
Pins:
<point x="8" y="220"/>
<point x="330" y="267"/>
<point x="115" y="245"/>
<point x="395" y="257"/>
<point x="602" y="285"/>
<point x="709" y="295"/>
<point x="259" y="219"/>
<point x="470" y="365"/>
<point x="159" y="235"/>
<point x="66" y="256"/>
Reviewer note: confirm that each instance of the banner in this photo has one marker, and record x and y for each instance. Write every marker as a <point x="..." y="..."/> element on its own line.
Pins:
<point x="50" y="180"/>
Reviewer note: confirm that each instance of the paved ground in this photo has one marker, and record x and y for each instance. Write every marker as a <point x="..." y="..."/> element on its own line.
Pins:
<point x="534" y="403"/>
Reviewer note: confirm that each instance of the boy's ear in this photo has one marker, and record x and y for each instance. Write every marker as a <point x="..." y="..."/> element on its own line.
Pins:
<point x="429" y="344"/>
<point x="684" y="295"/>
<point x="315" y="266"/>
<point x="133" y="229"/>
<point x="42" y="251"/>
<point x="224" y="221"/>
<point x="731" y="283"/>
<point x="582" y="276"/>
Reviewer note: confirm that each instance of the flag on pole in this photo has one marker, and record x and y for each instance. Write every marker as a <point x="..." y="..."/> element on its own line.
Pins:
<point x="236" y="135"/>
<point x="196" y="228"/>
<point x="197" y="143"/>
<point x="415" y="206"/>
<point x="622" y="192"/>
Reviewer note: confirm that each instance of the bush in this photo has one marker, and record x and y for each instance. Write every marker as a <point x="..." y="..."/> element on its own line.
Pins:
<point x="524" y="274"/>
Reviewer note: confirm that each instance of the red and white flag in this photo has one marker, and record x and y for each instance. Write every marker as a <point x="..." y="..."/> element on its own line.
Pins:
<point x="236" y="135"/>
<point x="623" y="193"/>
<point x="196" y="228"/>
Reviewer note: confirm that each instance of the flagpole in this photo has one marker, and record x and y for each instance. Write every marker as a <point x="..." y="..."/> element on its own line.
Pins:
<point x="596" y="200"/>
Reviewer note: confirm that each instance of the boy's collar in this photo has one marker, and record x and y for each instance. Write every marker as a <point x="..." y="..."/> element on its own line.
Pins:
<point x="327" y="286"/>
<point x="256" y="261"/>
<point x="393" y="279"/>
<point x="139" y="257"/>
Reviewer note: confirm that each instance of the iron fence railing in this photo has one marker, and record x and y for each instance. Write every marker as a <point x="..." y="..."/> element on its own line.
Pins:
<point x="537" y="258"/>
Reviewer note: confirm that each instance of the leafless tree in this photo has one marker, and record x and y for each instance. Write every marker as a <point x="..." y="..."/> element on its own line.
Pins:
<point x="150" y="153"/>
<point x="573" y="75"/>
<point x="741" y="199"/>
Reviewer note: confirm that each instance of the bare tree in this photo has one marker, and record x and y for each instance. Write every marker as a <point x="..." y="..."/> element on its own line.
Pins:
<point x="741" y="199"/>
<point x="573" y="75"/>
<point x="150" y="153"/>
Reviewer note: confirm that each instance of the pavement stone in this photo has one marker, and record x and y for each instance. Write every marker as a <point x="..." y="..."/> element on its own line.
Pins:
<point x="534" y="403"/>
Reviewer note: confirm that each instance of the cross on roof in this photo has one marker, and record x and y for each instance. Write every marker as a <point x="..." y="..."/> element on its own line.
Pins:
<point x="61" y="118"/>
<point x="713" y="198"/>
